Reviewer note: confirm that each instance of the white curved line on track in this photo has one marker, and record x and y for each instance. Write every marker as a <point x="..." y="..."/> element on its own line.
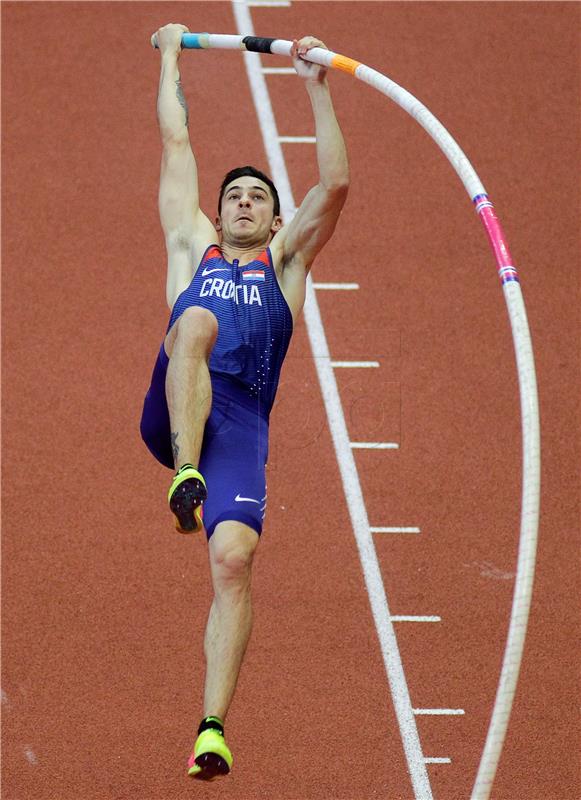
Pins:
<point x="415" y="759"/>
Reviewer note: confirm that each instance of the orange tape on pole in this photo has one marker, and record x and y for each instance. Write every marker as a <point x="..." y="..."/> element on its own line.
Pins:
<point x="345" y="64"/>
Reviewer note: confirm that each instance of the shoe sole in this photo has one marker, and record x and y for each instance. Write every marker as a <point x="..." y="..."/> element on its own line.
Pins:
<point x="186" y="505"/>
<point x="211" y="766"/>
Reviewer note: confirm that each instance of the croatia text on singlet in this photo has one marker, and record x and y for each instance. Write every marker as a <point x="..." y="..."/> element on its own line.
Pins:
<point x="254" y="321"/>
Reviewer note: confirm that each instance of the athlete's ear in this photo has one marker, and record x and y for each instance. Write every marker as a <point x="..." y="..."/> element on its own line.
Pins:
<point x="218" y="224"/>
<point x="276" y="224"/>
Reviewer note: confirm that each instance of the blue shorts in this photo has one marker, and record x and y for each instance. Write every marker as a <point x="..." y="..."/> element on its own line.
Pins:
<point x="234" y="449"/>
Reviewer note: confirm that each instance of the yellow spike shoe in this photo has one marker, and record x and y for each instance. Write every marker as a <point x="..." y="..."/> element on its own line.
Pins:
<point x="185" y="497"/>
<point x="211" y="757"/>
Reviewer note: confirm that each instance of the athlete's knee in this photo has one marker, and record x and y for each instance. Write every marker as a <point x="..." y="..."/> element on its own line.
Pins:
<point x="232" y="564"/>
<point x="197" y="328"/>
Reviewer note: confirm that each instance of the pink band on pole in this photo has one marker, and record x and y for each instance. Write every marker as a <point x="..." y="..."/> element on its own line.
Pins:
<point x="504" y="265"/>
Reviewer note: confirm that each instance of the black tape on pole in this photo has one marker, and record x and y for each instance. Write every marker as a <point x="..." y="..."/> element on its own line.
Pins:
<point x="257" y="44"/>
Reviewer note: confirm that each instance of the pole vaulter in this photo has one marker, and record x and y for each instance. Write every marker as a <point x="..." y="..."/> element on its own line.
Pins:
<point x="524" y="358"/>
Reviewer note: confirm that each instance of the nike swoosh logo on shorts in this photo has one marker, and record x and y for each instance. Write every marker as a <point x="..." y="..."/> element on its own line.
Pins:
<point x="207" y="271"/>
<point x="239" y="499"/>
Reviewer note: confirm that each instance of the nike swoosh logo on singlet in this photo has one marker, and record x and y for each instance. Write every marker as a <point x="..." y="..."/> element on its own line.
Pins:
<point x="239" y="499"/>
<point x="207" y="271"/>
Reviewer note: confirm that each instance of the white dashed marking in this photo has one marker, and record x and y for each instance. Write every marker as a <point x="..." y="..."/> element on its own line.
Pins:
<point x="279" y="71"/>
<point x="374" y="445"/>
<point x="268" y="4"/>
<point x="436" y="712"/>
<point x="355" y="364"/>
<point x="395" y="530"/>
<point x="297" y="139"/>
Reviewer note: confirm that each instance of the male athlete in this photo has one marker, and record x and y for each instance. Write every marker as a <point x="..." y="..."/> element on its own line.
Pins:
<point x="235" y="288"/>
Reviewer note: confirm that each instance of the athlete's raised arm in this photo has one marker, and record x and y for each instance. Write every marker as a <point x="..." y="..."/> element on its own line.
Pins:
<point x="187" y="230"/>
<point x="315" y="220"/>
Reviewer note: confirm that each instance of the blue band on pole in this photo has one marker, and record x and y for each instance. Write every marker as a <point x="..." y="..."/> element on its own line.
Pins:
<point x="192" y="41"/>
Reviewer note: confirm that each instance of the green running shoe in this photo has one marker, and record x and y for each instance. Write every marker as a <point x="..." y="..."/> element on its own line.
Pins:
<point x="185" y="497"/>
<point x="211" y="757"/>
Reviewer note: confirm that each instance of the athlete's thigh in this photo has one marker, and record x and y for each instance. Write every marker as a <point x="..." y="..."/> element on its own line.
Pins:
<point x="233" y="463"/>
<point x="198" y="320"/>
<point x="155" y="423"/>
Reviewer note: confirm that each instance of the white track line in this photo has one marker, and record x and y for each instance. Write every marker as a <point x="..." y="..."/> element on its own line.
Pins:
<point x="339" y="286"/>
<point x="297" y="139"/>
<point x="413" y="618"/>
<point x="360" y="364"/>
<point x="346" y="462"/>
<point x="374" y="446"/>
<point x="278" y="71"/>
<point x="266" y="3"/>
<point x="437" y="760"/>
<point x="394" y="530"/>
<point x="438" y="712"/>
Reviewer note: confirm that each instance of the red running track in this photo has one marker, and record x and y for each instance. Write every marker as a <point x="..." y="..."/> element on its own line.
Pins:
<point x="103" y="605"/>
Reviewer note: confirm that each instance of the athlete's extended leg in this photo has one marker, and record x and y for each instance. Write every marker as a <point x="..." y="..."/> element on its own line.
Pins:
<point x="189" y="399"/>
<point x="231" y="550"/>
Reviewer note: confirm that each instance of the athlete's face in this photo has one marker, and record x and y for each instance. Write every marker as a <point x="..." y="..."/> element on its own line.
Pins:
<point x="247" y="216"/>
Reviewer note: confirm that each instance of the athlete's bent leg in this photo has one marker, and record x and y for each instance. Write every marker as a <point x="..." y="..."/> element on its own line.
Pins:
<point x="188" y="387"/>
<point x="231" y="551"/>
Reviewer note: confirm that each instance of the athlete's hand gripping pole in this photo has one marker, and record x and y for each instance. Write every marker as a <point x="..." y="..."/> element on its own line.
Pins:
<point x="256" y="44"/>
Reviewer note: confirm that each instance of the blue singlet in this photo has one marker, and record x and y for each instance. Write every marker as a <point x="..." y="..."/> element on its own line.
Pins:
<point x="254" y="329"/>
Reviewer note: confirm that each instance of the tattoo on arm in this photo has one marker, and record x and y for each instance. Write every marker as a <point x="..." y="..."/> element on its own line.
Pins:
<point x="175" y="447"/>
<point x="181" y="98"/>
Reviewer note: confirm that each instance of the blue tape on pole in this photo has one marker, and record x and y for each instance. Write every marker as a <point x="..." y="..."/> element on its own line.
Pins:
<point x="192" y="41"/>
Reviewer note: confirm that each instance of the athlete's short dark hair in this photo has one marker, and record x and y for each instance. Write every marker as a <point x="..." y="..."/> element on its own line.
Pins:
<point x="240" y="172"/>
